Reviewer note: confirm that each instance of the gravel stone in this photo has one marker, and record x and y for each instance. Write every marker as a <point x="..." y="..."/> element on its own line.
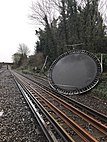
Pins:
<point x="92" y="101"/>
<point x="17" y="123"/>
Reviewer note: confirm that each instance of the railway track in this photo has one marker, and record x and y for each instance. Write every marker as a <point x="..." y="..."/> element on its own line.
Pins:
<point x="44" y="83"/>
<point x="2" y="70"/>
<point x="69" y="122"/>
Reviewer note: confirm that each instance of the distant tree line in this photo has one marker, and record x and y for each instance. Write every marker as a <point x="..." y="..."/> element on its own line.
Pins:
<point x="20" y="57"/>
<point x="23" y="61"/>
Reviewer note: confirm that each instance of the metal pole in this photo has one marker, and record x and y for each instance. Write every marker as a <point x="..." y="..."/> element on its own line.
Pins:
<point x="101" y="62"/>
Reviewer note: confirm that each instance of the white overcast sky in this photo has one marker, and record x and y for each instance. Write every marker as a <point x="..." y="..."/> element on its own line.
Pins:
<point x="16" y="27"/>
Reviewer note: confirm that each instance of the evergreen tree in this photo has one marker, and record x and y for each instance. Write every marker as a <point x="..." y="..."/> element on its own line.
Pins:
<point x="75" y="24"/>
<point x="92" y="25"/>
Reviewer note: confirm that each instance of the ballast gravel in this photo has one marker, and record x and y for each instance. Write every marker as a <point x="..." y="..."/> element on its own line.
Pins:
<point x="17" y="123"/>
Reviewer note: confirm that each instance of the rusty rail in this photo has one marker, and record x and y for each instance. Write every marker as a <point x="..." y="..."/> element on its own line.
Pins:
<point x="69" y="122"/>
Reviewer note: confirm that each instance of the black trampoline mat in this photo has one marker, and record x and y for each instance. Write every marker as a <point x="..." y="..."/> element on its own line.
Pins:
<point x="74" y="71"/>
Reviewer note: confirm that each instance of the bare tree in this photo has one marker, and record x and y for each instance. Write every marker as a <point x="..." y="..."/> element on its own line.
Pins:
<point x="42" y="9"/>
<point x="23" y="49"/>
<point x="44" y="12"/>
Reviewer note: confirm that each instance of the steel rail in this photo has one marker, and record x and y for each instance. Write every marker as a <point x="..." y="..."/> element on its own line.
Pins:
<point x="58" y="128"/>
<point x="89" y="110"/>
<point x="101" y="127"/>
<point x="86" y="117"/>
<point x="80" y="131"/>
<point x="35" y="111"/>
<point x="1" y="71"/>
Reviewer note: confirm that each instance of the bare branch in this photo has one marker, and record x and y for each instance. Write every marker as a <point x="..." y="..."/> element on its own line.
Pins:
<point x="23" y="49"/>
<point x="43" y="8"/>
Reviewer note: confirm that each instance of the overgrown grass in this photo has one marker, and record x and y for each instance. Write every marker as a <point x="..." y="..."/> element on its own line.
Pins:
<point x="101" y="89"/>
